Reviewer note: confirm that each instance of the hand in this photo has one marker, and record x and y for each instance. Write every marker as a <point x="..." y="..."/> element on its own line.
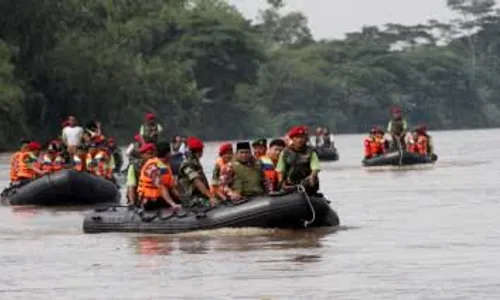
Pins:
<point x="176" y="208"/>
<point x="98" y="124"/>
<point x="235" y="196"/>
<point x="213" y="201"/>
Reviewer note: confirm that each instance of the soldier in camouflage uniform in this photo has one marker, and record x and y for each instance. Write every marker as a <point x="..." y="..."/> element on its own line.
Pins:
<point x="192" y="179"/>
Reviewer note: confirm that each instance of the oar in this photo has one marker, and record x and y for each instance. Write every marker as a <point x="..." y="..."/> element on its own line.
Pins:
<point x="400" y="147"/>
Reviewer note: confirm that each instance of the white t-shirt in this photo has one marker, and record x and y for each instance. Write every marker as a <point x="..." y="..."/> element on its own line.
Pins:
<point x="73" y="135"/>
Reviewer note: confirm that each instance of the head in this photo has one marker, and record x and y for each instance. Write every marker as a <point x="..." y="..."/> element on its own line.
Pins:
<point x="87" y="137"/>
<point x="421" y="129"/>
<point x="163" y="151"/>
<point x="298" y="136"/>
<point x="34" y="147"/>
<point x="24" y="144"/>
<point x="148" y="151"/>
<point x="259" y="147"/>
<point x="150" y="118"/>
<point x="396" y="112"/>
<point x="111" y="143"/>
<point x="319" y="131"/>
<point x="52" y="150"/>
<point x="72" y="121"/>
<point x="195" y="146"/>
<point x="226" y="152"/>
<point x="326" y="131"/>
<point x="176" y="142"/>
<point x="275" y="148"/>
<point x="243" y="152"/>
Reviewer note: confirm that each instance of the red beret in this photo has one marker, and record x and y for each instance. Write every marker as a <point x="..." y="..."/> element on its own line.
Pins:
<point x="34" y="146"/>
<point x="150" y="117"/>
<point x="147" y="148"/>
<point x="194" y="143"/>
<point x="396" y="109"/>
<point x="296" y="131"/>
<point x="224" y="148"/>
<point x="111" y="140"/>
<point x="98" y="138"/>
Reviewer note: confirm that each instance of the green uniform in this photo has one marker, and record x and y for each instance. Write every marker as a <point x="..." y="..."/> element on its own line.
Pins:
<point x="296" y="166"/>
<point x="248" y="179"/>
<point x="397" y="128"/>
<point x="190" y="170"/>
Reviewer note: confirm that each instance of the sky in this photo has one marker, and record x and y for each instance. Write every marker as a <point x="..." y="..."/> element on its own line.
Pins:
<point x="334" y="18"/>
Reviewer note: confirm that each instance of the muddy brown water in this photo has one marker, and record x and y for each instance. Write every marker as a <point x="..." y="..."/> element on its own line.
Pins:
<point x="417" y="233"/>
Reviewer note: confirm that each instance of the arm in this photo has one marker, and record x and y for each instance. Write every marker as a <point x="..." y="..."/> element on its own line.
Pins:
<point x="280" y="167"/>
<point x="315" y="166"/>
<point x="131" y="185"/>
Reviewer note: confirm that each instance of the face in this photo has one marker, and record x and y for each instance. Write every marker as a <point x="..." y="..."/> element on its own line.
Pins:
<point x="148" y="155"/>
<point x="227" y="156"/>
<point x="259" y="150"/>
<point x="72" y="121"/>
<point x="299" y="141"/>
<point x="244" y="155"/>
<point x="87" y="137"/>
<point x="274" y="152"/>
<point x="24" y="147"/>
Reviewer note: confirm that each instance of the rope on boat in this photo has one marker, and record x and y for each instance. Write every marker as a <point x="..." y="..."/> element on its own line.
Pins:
<point x="301" y="189"/>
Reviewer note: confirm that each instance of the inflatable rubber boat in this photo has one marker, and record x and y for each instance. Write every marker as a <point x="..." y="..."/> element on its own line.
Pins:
<point x="294" y="210"/>
<point x="397" y="158"/>
<point x="327" y="154"/>
<point x="63" y="188"/>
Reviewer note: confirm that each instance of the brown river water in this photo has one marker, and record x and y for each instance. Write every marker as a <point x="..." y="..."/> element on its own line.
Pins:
<point x="417" y="233"/>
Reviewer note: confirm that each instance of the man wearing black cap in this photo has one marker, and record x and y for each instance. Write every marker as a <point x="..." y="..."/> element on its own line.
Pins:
<point x="245" y="176"/>
<point x="259" y="148"/>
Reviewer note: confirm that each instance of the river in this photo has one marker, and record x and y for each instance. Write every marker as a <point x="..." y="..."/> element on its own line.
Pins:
<point x="421" y="233"/>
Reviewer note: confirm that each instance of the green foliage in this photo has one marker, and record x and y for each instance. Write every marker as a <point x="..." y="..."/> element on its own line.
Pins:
<point x="206" y="70"/>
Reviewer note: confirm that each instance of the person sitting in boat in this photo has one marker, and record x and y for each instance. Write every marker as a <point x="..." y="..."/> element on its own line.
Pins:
<point x="220" y="169"/>
<point x="318" y="138"/>
<point x="245" y="177"/>
<point x="116" y="153"/>
<point x="269" y="162"/>
<point x="146" y="152"/>
<point x="327" y="139"/>
<point x="150" y="130"/>
<point x="374" y="143"/>
<point x="78" y="159"/>
<point x="29" y="165"/>
<point x="156" y="188"/>
<point x="14" y="162"/>
<point x="192" y="179"/>
<point x="397" y="128"/>
<point x="259" y="147"/>
<point x="299" y="163"/>
<point x="423" y="145"/>
<point x="52" y="161"/>
<point x="94" y="129"/>
<point x="97" y="161"/>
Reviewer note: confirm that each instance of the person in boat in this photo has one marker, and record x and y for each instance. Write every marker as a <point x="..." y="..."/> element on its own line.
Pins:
<point x="87" y="139"/>
<point x="29" y="165"/>
<point x="116" y="153"/>
<point x="14" y="161"/>
<point x="318" y="138"/>
<point x="245" y="176"/>
<point x="132" y="151"/>
<point x="192" y="179"/>
<point x="72" y="135"/>
<point x="178" y="145"/>
<point x="147" y="151"/>
<point x="156" y="188"/>
<point x="423" y="144"/>
<point x="298" y="163"/>
<point x="52" y="160"/>
<point x="94" y="129"/>
<point x="150" y="130"/>
<point x="98" y="159"/>
<point x="375" y="143"/>
<point x="78" y="159"/>
<point x="259" y="147"/>
<point x="397" y="128"/>
<point x="270" y="160"/>
<point x="220" y="169"/>
<point x="327" y="139"/>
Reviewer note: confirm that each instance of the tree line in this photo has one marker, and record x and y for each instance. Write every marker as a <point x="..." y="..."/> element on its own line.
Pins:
<point x="206" y="70"/>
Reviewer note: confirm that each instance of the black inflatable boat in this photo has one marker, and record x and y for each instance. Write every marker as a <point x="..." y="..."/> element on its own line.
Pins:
<point x="63" y="188"/>
<point x="279" y="211"/>
<point x="327" y="154"/>
<point x="397" y="158"/>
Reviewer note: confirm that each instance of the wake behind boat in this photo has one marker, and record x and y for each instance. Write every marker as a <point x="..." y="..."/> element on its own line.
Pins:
<point x="294" y="210"/>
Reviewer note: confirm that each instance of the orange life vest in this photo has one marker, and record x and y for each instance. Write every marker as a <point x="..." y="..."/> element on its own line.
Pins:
<point x="148" y="187"/>
<point x="373" y="146"/>
<point x="52" y="165"/>
<point x="270" y="172"/>
<point x="27" y="162"/>
<point x="222" y="166"/>
<point x="14" y="166"/>
<point x="98" y="164"/>
<point x="422" y="145"/>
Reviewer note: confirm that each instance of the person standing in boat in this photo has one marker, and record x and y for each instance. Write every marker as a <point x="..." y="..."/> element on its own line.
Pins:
<point x="220" y="169"/>
<point x="156" y="187"/>
<point x="397" y="128"/>
<point x="192" y="179"/>
<point x="245" y="177"/>
<point x="150" y="130"/>
<point x="72" y="135"/>
<point x="14" y="162"/>
<point x="327" y="139"/>
<point x="318" y="137"/>
<point x="146" y="152"/>
<point x="298" y="163"/>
